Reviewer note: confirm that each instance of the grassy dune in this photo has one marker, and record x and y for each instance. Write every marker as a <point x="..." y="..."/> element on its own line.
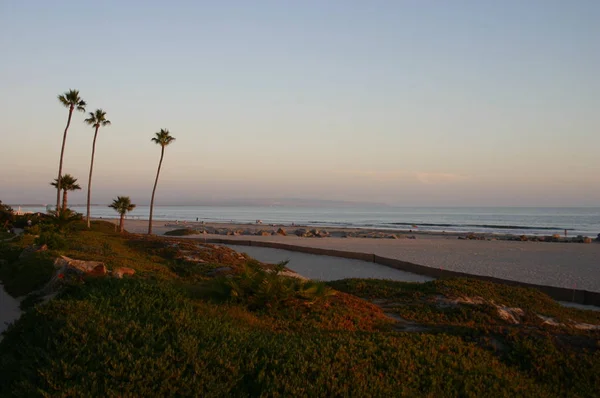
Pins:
<point x="173" y="330"/>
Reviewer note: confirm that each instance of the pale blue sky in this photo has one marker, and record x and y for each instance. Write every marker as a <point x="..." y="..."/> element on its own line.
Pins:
<point x="478" y="102"/>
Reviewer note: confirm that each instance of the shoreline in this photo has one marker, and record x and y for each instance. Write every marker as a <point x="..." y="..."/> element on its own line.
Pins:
<point x="219" y="227"/>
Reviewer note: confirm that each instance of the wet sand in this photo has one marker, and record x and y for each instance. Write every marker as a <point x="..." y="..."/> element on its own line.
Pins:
<point x="326" y="268"/>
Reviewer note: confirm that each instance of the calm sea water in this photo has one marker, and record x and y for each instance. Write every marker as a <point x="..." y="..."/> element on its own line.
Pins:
<point x="500" y="220"/>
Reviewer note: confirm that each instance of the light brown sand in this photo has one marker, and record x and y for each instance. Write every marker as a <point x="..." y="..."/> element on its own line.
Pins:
<point x="570" y="265"/>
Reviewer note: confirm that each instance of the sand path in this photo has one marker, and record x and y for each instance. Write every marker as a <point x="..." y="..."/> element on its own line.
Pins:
<point x="9" y="310"/>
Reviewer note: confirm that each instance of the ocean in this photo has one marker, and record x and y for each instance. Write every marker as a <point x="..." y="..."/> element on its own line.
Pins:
<point x="498" y="220"/>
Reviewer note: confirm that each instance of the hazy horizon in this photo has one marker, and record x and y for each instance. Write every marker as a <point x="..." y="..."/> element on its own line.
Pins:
<point x="404" y="103"/>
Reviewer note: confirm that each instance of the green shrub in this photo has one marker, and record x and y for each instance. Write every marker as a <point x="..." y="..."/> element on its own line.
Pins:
<point x="27" y="274"/>
<point x="260" y="288"/>
<point x="54" y="240"/>
<point x="182" y="232"/>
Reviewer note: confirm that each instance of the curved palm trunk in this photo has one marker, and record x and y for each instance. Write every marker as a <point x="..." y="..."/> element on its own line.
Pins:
<point x="122" y="223"/>
<point x="162" y="153"/>
<point x="62" y="152"/>
<point x="89" y="193"/>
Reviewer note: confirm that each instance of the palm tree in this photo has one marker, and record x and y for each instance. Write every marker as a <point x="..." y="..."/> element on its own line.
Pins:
<point x="95" y="120"/>
<point x="122" y="205"/>
<point x="67" y="183"/>
<point x="162" y="138"/>
<point x="71" y="100"/>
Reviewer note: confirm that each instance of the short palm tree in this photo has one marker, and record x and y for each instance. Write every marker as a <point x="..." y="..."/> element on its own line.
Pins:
<point x="67" y="183"/>
<point x="122" y="205"/>
<point x="71" y="100"/>
<point x="162" y="138"/>
<point x="95" y="120"/>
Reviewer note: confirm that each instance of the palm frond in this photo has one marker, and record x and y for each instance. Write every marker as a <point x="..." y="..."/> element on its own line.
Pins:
<point x="163" y="138"/>
<point x="67" y="183"/>
<point x="122" y="205"/>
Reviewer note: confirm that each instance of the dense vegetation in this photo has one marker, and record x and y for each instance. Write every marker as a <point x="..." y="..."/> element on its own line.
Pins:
<point x="204" y="320"/>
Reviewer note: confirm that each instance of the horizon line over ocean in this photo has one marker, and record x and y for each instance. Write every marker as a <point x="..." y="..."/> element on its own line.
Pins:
<point x="485" y="219"/>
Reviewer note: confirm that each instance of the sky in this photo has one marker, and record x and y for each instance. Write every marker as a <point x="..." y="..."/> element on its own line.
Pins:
<point x="424" y="102"/>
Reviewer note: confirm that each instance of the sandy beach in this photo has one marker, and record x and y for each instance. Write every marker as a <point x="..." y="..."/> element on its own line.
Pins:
<point x="568" y="265"/>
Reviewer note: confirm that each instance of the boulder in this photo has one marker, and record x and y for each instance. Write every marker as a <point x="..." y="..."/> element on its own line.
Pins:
<point x="281" y="231"/>
<point x="392" y="236"/>
<point x="94" y="268"/>
<point x="263" y="233"/>
<point x="411" y="237"/>
<point x="300" y="232"/>
<point x="556" y="236"/>
<point x="122" y="271"/>
<point x="32" y="249"/>
<point x="587" y="240"/>
<point x="322" y="234"/>
<point x="219" y="271"/>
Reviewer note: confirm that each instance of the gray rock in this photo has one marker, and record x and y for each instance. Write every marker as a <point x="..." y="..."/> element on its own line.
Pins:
<point x="219" y="271"/>
<point x="32" y="249"/>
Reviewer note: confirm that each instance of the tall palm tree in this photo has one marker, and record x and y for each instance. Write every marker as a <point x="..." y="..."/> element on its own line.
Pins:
<point x="162" y="138"/>
<point x="95" y="120"/>
<point x="67" y="183"/>
<point x="71" y="100"/>
<point x="122" y="205"/>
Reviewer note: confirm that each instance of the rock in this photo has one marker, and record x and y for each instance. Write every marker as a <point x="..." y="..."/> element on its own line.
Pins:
<point x="263" y="233"/>
<point x="219" y="271"/>
<point x="122" y="271"/>
<point x="32" y="249"/>
<point x="392" y="236"/>
<point x="587" y="240"/>
<point x="411" y="237"/>
<point x="281" y="231"/>
<point x="322" y="234"/>
<point x="94" y="268"/>
<point x="523" y="238"/>
<point x="300" y="232"/>
<point x="556" y="236"/>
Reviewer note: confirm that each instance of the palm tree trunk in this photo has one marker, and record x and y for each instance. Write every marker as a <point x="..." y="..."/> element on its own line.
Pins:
<point x="122" y="223"/>
<point x="62" y="153"/>
<point x="89" y="195"/>
<point x="162" y="153"/>
<point x="64" y="205"/>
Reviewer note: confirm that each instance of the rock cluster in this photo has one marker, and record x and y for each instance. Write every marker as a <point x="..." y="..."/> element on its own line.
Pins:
<point x="312" y="233"/>
<point x="529" y="238"/>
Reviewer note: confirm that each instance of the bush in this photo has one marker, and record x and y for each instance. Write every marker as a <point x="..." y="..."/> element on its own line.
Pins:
<point x="260" y="288"/>
<point x="53" y="240"/>
<point x="27" y="274"/>
<point x="182" y="232"/>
